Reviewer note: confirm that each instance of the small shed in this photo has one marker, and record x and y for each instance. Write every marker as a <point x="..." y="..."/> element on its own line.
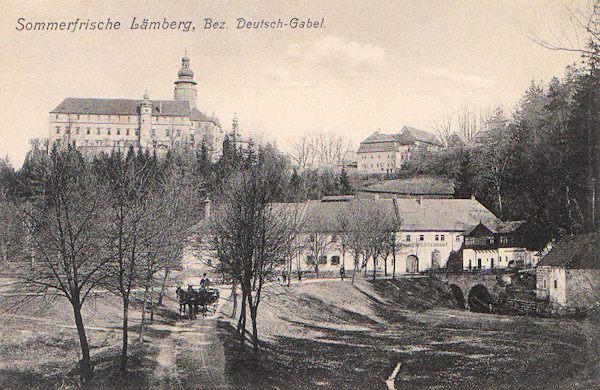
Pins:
<point x="569" y="275"/>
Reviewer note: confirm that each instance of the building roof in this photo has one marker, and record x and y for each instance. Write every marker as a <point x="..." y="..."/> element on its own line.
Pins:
<point x="380" y="142"/>
<point x="497" y="227"/>
<point x="579" y="251"/>
<point x="197" y="115"/>
<point x="443" y="214"/>
<point x="456" y="140"/>
<point x="378" y="147"/>
<point x="413" y="214"/>
<point x="120" y="107"/>
<point x="422" y="135"/>
<point x="417" y="186"/>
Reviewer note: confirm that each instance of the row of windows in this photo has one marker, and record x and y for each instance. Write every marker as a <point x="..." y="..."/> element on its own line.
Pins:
<point x="88" y="130"/>
<point x="438" y="237"/>
<point x="335" y="260"/>
<point x="378" y="157"/>
<point x="105" y="143"/>
<point x="546" y="285"/>
<point x="119" y="118"/>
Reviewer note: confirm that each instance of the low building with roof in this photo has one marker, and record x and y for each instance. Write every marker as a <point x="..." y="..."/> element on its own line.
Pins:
<point x="101" y="125"/>
<point x="569" y="275"/>
<point x="425" y="232"/>
<point x="386" y="153"/>
<point x="414" y="187"/>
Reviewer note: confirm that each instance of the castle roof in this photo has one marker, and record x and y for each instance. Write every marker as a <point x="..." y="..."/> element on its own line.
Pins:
<point x="95" y="106"/>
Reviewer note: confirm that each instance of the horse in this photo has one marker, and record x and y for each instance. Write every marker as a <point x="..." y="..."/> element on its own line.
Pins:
<point x="182" y="298"/>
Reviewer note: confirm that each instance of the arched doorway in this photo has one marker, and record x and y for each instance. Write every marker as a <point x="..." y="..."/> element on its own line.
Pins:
<point x="480" y="299"/>
<point x="459" y="297"/>
<point x="412" y="264"/>
<point x="435" y="259"/>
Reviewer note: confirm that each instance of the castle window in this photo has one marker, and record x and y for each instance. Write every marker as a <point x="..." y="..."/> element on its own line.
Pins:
<point x="77" y="130"/>
<point x="335" y="260"/>
<point x="437" y="237"/>
<point x="98" y="131"/>
<point x="192" y="138"/>
<point x="118" y="131"/>
<point x="126" y="131"/>
<point x="56" y="116"/>
<point x="137" y="131"/>
<point x="421" y="237"/>
<point x="108" y="131"/>
<point x="408" y="237"/>
<point x="323" y="260"/>
<point x="57" y="129"/>
<point x="443" y="237"/>
<point x="88" y="130"/>
<point x="77" y="116"/>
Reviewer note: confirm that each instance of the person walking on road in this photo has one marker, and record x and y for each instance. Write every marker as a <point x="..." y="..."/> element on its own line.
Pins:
<point x="342" y="272"/>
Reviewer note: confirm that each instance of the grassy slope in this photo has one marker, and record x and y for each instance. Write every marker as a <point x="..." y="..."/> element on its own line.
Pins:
<point x="336" y="334"/>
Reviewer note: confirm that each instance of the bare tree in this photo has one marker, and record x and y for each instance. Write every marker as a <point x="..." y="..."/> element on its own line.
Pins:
<point x="64" y="222"/>
<point x="581" y="34"/>
<point x="369" y="227"/>
<point x="250" y="237"/>
<point x="304" y="152"/>
<point x="442" y="127"/>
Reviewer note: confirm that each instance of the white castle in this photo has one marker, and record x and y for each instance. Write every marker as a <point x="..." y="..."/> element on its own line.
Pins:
<point x="102" y="125"/>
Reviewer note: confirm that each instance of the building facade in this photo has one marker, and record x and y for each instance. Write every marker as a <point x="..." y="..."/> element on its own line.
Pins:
<point x="102" y="125"/>
<point x="489" y="246"/>
<point x="386" y="153"/>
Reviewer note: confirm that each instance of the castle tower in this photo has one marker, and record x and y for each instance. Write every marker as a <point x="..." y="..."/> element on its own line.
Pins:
<point x="235" y="134"/>
<point x="145" y="122"/>
<point x="185" y="86"/>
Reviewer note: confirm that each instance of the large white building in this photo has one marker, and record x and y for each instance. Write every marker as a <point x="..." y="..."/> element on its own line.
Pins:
<point x="427" y="231"/>
<point x="101" y="125"/>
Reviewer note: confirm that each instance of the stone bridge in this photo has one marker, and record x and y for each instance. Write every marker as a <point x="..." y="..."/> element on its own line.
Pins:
<point x="474" y="291"/>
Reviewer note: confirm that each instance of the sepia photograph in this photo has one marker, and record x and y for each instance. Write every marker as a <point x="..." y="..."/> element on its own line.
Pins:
<point x="284" y="194"/>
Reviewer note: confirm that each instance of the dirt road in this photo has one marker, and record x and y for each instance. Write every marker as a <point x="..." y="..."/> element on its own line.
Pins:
<point x="191" y="356"/>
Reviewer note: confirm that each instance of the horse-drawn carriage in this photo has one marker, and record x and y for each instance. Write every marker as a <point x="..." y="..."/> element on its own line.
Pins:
<point x="202" y="300"/>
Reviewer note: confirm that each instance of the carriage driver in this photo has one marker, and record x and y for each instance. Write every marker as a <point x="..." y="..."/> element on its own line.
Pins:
<point x="205" y="282"/>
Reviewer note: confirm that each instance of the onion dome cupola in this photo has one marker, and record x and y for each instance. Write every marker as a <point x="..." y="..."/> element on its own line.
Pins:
<point x="185" y="86"/>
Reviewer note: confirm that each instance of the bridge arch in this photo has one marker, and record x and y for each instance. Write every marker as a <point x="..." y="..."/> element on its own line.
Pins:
<point x="479" y="299"/>
<point x="458" y="295"/>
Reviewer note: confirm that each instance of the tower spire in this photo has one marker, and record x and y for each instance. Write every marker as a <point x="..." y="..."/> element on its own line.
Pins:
<point x="185" y="86"/>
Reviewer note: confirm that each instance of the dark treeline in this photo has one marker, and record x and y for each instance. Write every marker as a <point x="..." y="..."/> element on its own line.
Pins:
<point x="540" y="165"/>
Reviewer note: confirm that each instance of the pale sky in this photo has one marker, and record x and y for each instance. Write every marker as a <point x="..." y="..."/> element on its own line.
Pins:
<point x="376" y="64"/>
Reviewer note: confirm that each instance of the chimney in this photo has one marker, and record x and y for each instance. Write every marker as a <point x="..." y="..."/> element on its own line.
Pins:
<point x="207" y="208"/>
<point x="473" y="197"/>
